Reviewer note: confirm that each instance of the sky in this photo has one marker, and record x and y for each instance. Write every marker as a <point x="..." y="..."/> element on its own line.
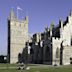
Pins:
<point x="40" y="12"/>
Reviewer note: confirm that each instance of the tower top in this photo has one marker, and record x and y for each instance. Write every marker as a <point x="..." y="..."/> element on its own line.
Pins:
<point x="70" y="12"/>
<point x="26" y="18"/>
<point x="46" y="28"/>
<point x="11" y="16"/>
<point x="51" y="28"/>
<point x="52" y="25"/>
<point x="61" y="23"/>
<point x="12" y="13"/>
<point x="60" y="20"/>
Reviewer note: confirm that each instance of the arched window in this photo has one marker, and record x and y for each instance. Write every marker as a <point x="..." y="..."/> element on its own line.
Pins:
<point x="57" y="53"/>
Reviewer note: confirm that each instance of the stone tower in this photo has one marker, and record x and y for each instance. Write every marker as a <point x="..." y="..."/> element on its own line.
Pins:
<point x="17" y="36"/>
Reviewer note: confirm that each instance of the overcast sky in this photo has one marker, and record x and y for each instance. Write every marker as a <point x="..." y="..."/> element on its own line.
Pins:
<point x="41" y="13"/>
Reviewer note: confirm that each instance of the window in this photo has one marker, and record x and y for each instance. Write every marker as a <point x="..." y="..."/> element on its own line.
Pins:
<point x="71" y="41"/>
<point x="57" y="53"/>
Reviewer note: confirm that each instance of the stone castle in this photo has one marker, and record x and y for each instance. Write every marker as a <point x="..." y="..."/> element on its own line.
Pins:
<point x="53" y="46"/>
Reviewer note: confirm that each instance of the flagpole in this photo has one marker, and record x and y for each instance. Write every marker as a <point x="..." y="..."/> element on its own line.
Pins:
<point x="17" y="13"/>
<point x="18" y="8"/>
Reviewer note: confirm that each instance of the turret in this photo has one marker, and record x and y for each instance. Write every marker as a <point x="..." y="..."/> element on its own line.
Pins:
<point x="51" y="28"/>
<point x="12" y="16"/>
<point x="46" y="33"/>
<point x="70" y="13"/>
<point x="69" y="18"/>
<point x="46" y="29"/>
<point x="61" y="23"/>
<point x="26" y="18"/>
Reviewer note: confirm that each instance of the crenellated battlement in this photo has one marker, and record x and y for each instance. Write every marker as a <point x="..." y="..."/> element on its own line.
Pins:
<point x="56" y="39"/>
<point x="15" y="22"/>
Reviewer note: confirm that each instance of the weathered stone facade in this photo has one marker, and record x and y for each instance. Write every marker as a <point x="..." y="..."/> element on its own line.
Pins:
<point x="66" y="38"/>
<point x="54" y="45"/>
<point x="17" y="37"/>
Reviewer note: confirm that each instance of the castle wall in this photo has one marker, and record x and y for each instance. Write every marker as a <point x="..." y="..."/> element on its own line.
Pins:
<point x="66" y="33"/>
<point x="65" y="36"/>
<point x="55" y="44"/>
<point x="67" y="54"/>
<point x="18" y="38"/>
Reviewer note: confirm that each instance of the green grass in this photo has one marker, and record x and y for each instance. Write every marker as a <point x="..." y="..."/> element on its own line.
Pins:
<point x="36" y="68"/>
<point x="5" y="65"/>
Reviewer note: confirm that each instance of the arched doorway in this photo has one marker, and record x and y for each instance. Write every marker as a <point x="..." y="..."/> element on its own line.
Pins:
<point x="57" y="60"/>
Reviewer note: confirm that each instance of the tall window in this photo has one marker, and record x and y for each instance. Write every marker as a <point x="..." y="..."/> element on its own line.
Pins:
<point x="57" y="53"/>
<point x="71" y="41"/>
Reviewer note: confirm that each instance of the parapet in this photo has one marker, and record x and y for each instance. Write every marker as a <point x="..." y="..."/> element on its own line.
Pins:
<point x="56" y="39"/>
<point x="14" y="21"/>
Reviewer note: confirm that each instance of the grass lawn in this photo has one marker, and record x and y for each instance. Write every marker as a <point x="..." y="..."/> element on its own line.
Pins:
<point x="37" y="68"/>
